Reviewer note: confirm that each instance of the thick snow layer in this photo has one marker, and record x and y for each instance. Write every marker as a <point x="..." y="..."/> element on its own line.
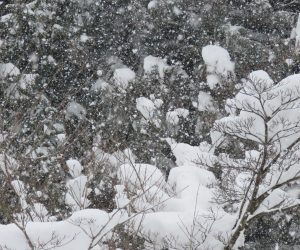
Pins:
<point x="152" y="63"/>
<point x="191" y="205"/>
<point x="75" y="109"/>
<point x="146" y="107"/>
<point x="172" y="117"/>
<point x="152" y="4"/>
<point x="186" y="208"/>
<point x="138" y="175"/>
<point x="75" y="168"/>
<point x="192" y="155"/>
<point x="8" y="69"/>
<point x="76" y="196"/>
<point x="8" y="164"/>
<point x="63" y="235"/>
<point x="259" y="100"/>
<point x="6" y="18"/>
<point x="169" y="210"/>
<point x="190" y="182"/>
<point x="123" y="76"/>
<point x="205" y="101"/>
<point x="218" y="64"/>
<point x="217" y="59"/>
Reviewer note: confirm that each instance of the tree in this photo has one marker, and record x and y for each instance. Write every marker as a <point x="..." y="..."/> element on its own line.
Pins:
<point x="268" y="115"/>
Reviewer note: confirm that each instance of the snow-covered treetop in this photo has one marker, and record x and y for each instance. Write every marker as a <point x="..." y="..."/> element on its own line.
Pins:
<point x="265" y="112"/>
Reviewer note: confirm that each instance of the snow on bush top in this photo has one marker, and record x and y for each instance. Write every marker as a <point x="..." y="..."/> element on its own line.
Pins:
<point x="122" y="76"/>
<point x="218" y="63"/>
<point x="192" y="155"/>
<point x="75" y="109"/>
<point x="152" y="63"/>
<point x="217" y="59"/>
<point x="100" y="84"/>
<point x="146" y="107"/>
<point x="8" y="69"/>
<point x="260" y="102"/>
<point x="137" y="175"/>
<point x="75" y="168"/>
<point x="152" y="4"/>
<point x="172" y="117"/>
<point x="8" y="164"/>
<point x="205" y="101"/>
<point x="63" y="235"/>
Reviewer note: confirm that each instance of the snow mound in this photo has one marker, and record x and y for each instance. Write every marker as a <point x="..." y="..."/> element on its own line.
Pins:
<point x="63" y="235"/>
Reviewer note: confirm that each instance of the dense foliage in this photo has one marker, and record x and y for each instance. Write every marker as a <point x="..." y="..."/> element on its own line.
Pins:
<point x="103" y="81"/>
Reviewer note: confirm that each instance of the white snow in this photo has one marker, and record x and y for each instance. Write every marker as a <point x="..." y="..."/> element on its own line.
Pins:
<point x="63" y="235"/>
<point x="21" y="192"/>
<point x="8" y="69"/>
<point x="76" y="196"/>
<point x="158" y="102"/>
<point x="277" y="104"/>
<point x="140" y="175"/>
<point x="84" y="38"/>
<point x="61" y="137"/>
<point x="99" y="85"/>
<point x="192" y="155"/>
<point x="59" y="127"/>
<point x="116" y="159"/>
<point x="75" y="109"/>
<point x="205" y="101"/>
<point x="6" y="18"/>
<point x="152" y="4"/>
<point x="8" y="164"/>
<point x="26" y="80"/>
<point x="172" y="117"/>
<point x="152" y="63"/>
<point x="146" y="107"/>
<point x="218" y="64"/>
<point x="122" y="76"/>
<point x="168" y="210"/>
<point x="75" y="168"/>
